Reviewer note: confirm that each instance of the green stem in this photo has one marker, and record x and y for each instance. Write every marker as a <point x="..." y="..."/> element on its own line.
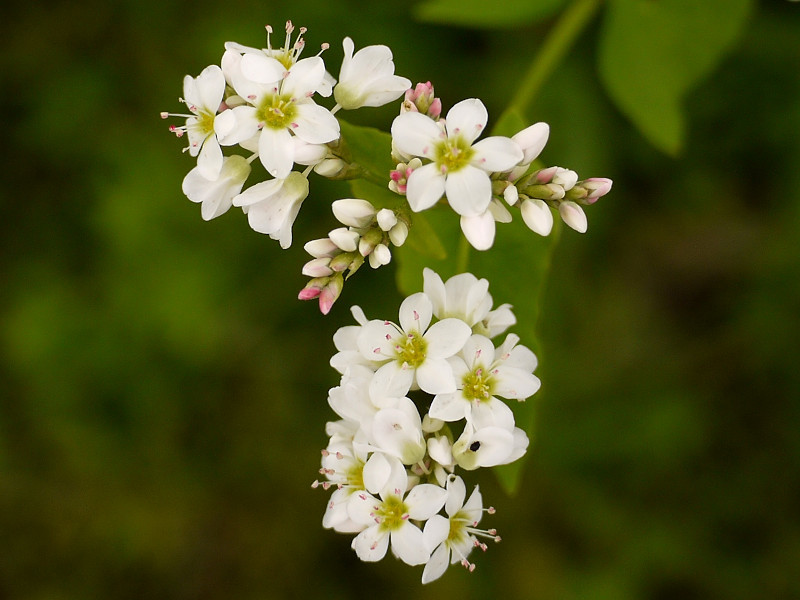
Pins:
<point x="566" y="31"/>
<point x="462" y="261"/>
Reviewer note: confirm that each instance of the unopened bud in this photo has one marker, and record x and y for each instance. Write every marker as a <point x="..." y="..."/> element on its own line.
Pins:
<point x="369" y="240"/>
<point x="330" y="167"/>
<point x="322" y="247"/>
<point x="421" y="99"/>
<point x="353" y="212"/>
<point x="380" y="256"/>
<point x="342" y="262"/>
<point x="573" y="215"/>
<point x="386" y="219"/>
<point x="399" y="233"/>
<point x="547" y="191"/>
<point x="537" y="216"/>
<point x="531" y="141"/>
<point x="318" y="267"/>
<point x="346" y="239"/>
<point x="331" y="293"/>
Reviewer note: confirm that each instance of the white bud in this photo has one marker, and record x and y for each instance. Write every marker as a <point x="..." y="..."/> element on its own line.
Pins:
<point x="345" y="239"/>
<point x="329" y="167"/>
<point x="537" y="216"/>
<point x="565" y="178"/>
<point x="531" y="141"/>
<point x="573" y="215"/>
<point x="399" y="233"/>
<point x="322" y="247"/>
<point x="511" y="195"/>
<point x="386" y="219"/>
<point x="380" y="256"/>
<point x="318" y="267"/>
<point x="353" y="212"/>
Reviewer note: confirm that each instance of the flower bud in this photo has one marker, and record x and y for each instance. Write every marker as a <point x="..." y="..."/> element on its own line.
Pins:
<point x="548" y="191"/>
<point x="318" y="267"/>
<point x="330" y="293"/>
<point x="386" y="219"/>
<point x="322" y="247"/>
<point x="596" y="187"/>
<point x="346" y="239"/>
<point x="537" y="216"/>
<point x="421" y="99"/>
<point x="331" y="167"/>
<point x="369" y="240"/>
<point x="398" y="234"/>
<point x="342" y="262"/>
<point x="565" y="178"/>
<point x="380" y="256"/>
<point x="531" y="141"/>
<point x="353" y="212"/>
<point x="573" y="215"/>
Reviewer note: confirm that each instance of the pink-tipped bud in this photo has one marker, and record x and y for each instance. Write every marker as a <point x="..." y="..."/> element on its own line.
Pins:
<point x="421" y="99"/>
<point x="573" y="215"/>
<point x="330" y="293"/>
<point x="597" y="187"/>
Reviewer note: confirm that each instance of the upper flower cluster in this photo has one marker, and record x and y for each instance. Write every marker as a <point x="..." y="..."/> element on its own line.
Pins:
<point x="417" y="399"/>
<point x="261" y="104"/>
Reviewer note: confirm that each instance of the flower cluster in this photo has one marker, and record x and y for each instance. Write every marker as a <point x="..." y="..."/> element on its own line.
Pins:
<point x="417" y="400"/>
<point x="440" y="158"/>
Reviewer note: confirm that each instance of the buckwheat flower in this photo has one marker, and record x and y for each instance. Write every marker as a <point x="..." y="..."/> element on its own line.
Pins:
<point x="484" y="447"/>
<point x="203" y="97"/>
<point x="537" y="216"/>
<point x="343" y="467"/>
<point x="415" y="350"/>
<point x="531" y="141"/>
<point x="367" y="78"/>
<point x="482" y="374"/>
<point x="452" y="538"/>
<point x="397" y="431"/>
<point x="389" y="517"/>
<point x="280" y="106"/>
<point x="459" y="167"/>
<point x="463" y="296"/>
<point x="216" y="195"/>
<point x="272" y="206"/>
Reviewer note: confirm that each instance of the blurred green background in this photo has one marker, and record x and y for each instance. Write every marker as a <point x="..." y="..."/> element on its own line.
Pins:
<point x="163" y="394"/>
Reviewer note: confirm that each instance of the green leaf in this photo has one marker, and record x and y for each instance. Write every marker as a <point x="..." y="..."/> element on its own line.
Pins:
<point x="480" y="14"/>
<point x="370" y="150"/>
<point x="653" y="52"/>
<point x="516" y="268"/>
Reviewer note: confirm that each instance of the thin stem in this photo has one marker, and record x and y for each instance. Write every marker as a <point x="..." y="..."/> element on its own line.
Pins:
<point x="462" y="260"/>
<point x="566" y="31"/>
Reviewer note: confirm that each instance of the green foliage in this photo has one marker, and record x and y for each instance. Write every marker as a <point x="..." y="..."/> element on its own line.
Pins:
<point x="653" y="53"/>
<point x="482" y="14"/>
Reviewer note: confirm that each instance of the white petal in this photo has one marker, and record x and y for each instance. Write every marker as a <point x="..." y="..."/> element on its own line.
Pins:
<point x="210" y="87"/>
<point x="425" y="500"/>
<point x="426" y="185"/>
<point x="494" y="413"/>
<point x="448" y="407"/>
<point x="446" y="337"/>
<point x="415" y="134"/>
<point x="436" y="565"/>
<point x="433" y="286"/>
<point x="276" y="151"/>
<point x="435" y="376"/>
<point x="376" y="340"/>
<point x="377" y="472"/>
<point x="515" y="383"/>
<point x="407" y="544"/>
<point x="353" y="212"/>
<point x="371" y="544"/>
<point x="209" y="161"/>
<point x="467" y="119"/>
<point x="436" y="530"/>
<point x="258" y="192"/>
<point x="573" y="215"/>
<point x="260" y="68"/>
<point x="532" y="140"/>
<point x="315" y="124"/>
<point x="361" y="508"/>
<point x="479" y="230"/>
<point x="456" y="492"/>
<point x="469" y="190"/>
<point x="304" y="77"/>
<point x="415" y="313"/>
<point x="496" y="154"/>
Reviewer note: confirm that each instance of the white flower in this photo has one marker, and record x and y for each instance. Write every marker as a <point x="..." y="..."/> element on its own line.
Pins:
<point x="216" y="195"/>
<point x="203" y="97"/>
<point x="485" y="447"/>
<point x="367" y="78"/>
<point x="389" y="518"/>
<point x="463" y="296"/>
<point x="452" y="538"/>
<point x="459" y="168"/>
<point x="482" y="374"/>
<point x="280" y="107"/>
<point x="272" y="206"/>
<point x="413" y="351"/>
<point x="531" y="141"/>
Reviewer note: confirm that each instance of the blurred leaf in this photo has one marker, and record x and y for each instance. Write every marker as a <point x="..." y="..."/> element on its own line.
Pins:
<point x="370" y="149"/>
<point x="653" y="53"/>
<point x="484" y="15"/>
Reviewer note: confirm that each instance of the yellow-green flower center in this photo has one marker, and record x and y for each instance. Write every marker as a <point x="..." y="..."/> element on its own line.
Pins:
<point x="355" y="476"/>
<point x="458" y="528"/>
<point x="276" y="111"/>
<point x="391" y="513"/>
<point x="411" y="350"/>
<point x="205" y="122"/>
<point x="478" y="385"/>
<point x="453" y="154"/>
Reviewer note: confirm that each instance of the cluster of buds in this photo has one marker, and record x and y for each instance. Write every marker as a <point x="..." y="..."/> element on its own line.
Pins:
<point x="558" y="188"/>
<point x="367" y="235"/>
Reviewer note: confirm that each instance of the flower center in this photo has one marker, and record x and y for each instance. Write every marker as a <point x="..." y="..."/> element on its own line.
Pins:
<point x="355" y="476"/>
<point x="276" y="112"/>
<point x="453" y="154"/>
<point x="478" y="385"/>
<point x="458" y="528"/>
<point x="392" y="513"/>
<point x="205" y="123"/>
<point x="411" y="350"/>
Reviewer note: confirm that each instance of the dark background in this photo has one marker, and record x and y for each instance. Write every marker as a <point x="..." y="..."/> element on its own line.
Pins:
<point x="163" y="393"/>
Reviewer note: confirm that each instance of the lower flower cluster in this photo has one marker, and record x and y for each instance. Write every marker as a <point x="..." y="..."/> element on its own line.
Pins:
<point x="419" y="399"/>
